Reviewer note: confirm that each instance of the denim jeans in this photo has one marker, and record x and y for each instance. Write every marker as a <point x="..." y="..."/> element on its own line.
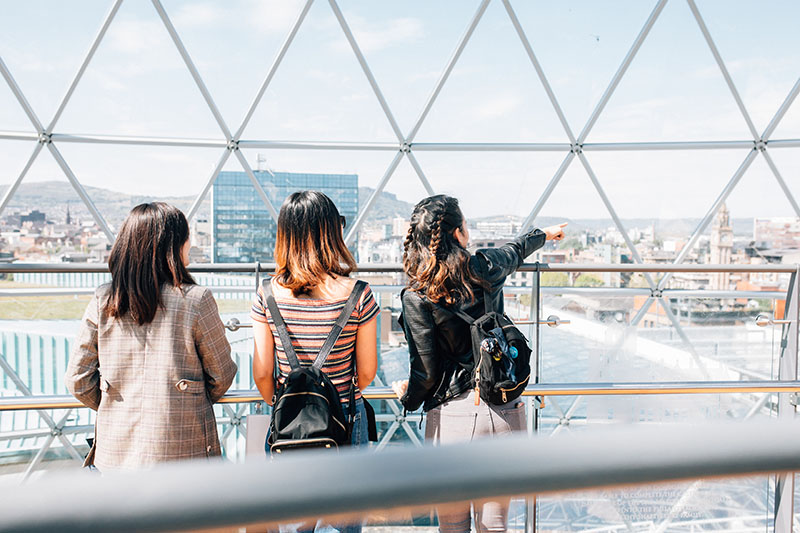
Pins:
<point x="359" y="438"/>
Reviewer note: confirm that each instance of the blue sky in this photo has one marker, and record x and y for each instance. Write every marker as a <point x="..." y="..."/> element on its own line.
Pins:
<point x="673" y="91"/>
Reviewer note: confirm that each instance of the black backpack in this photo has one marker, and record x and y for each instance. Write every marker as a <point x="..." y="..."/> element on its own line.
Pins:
<point x="307" y="412"/>
<point x="501" y="354"/>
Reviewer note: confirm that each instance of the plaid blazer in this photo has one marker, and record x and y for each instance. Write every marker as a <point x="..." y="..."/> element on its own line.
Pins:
<point x="153" y="386"/>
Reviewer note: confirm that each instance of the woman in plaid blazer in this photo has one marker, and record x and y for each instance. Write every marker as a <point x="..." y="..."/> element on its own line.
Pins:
<point x="151" y="355"/>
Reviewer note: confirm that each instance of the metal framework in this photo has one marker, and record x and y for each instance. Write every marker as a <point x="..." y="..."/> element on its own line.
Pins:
<point x="230" y="142"/>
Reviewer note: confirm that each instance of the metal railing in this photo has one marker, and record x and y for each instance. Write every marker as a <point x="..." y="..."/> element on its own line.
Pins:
<point x="192" y="496"/>
<point x="786" y="387"/>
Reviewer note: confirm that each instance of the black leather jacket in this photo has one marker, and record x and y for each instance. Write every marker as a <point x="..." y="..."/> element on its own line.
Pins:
<point x="439" y="345"/>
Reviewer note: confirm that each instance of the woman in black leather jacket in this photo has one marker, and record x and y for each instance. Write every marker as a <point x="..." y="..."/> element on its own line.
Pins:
<point x="442" y="273"/>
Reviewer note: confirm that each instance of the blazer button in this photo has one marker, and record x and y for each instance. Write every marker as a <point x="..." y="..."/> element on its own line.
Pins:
<point x="182" y="385"/>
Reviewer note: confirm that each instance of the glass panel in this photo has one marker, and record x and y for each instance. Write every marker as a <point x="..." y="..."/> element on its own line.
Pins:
<point x="717" y="340"/>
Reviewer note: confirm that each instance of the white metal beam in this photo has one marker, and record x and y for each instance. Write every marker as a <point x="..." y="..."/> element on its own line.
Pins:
<point x="273" y="68"/>
<point x="87" y="58"/>
<point x="725" y="74"/>
<point x="462" y="43"/>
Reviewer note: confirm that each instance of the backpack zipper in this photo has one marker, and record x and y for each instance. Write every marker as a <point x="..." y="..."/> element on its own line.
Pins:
<point x="521" y="383"/>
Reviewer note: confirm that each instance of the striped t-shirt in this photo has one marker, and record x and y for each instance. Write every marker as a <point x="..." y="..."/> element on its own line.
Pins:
<point x="309" y="322"/>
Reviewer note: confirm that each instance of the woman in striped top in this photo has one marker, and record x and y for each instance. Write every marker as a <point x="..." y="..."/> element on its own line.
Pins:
<point x="311" y="286"/>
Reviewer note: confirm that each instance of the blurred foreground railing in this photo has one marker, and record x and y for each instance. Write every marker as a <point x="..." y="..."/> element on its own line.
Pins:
<point x="200" y="496"/>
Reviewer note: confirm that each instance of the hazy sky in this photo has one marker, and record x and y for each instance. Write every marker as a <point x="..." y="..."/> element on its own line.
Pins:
<point x="137" y="84"/>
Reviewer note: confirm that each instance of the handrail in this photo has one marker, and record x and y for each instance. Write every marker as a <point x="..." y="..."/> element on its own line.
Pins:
<point x="62" y="268"/>
<point x="202" y="495"/>
<point x="27" y="403"/>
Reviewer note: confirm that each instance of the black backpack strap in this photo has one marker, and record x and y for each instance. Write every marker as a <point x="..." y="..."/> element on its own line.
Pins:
<point x="340" y="323"/>
<point x="280" y="325"/>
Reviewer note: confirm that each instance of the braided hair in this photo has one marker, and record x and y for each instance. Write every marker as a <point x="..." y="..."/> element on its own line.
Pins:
<point x="437" y="265"/>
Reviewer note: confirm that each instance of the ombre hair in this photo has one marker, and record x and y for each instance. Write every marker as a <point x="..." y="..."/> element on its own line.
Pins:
<point x="145" y="256"/>
<point x="434" y="261"/>
<point x="309" y="245"/>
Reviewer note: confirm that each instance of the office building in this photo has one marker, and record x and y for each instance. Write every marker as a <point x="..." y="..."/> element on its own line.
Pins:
<point x="243" y="230"/>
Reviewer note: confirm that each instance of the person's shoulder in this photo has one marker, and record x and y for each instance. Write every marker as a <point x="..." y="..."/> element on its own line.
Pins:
<point x="194" y="293"/>
<point x="103" y="290"/>
<point x="411" y="298"/>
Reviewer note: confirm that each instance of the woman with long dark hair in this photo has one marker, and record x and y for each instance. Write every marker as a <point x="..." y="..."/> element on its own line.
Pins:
<point x="311" y="286"/>
<point x="443" y="277"/>
<point x="151" y="355"/>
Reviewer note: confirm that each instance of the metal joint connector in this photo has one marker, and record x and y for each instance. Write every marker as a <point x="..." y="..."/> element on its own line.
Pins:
<point x="233" y="145"/>
<point x="761" y="145"/>
<point x="399" y="418"/>
<point x="56" y="432"/>
<point x="405" y="148"/>
<point x="45" y="138"/>
<point x="656" y="293"/>
<point x="576" y="149"/>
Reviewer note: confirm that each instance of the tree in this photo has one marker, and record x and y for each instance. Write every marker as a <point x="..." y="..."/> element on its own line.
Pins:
<point x="587" y="280"/>
<point x="554" y="279"/>
<point x="571" y="244"/>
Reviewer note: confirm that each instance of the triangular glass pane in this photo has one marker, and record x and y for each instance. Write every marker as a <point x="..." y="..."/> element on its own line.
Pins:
<point x="121" y="177"/>
<point x="493" y="93"/>
<point x="673" y="89"/>
<point x="763" y="230"/>
<point x="44" y="43"/>
<point x="320" y="92"/>
<point x="581" y="47"/>
<point x="13" y="157"/>
<point x="663" y="191"/>
<point x="12" y="117"/>
<point x="45" y="197"/>
<point x="759" y="196"/>
<point x="788" y="164"/>
<point x="491" y="184"/>
<point x="233" y="45"/>
<point x="381" y="237"/>
<point x="789" y="126"/>
<point x="759" y="47"/>
<point x="407" y="50"/>
<point x="137" y="84"/>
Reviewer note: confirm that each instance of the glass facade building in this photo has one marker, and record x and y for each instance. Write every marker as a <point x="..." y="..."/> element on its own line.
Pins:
<point x="243" y="230"/>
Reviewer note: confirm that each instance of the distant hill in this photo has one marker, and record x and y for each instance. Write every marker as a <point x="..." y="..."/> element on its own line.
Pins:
<point x="386" y="207"/>
<point x="52" y="197"/>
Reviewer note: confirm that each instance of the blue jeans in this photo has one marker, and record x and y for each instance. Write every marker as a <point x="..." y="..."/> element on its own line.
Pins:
<point x="359" y="438"/>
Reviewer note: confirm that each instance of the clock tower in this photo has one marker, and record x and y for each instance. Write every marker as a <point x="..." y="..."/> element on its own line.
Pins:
<point x="721" y="247"/>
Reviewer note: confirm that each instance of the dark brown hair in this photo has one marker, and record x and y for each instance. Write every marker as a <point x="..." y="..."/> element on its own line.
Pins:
<point x="146" y="255"/>
<point x="309" y="244"/>
<point x="434" y="261"/>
